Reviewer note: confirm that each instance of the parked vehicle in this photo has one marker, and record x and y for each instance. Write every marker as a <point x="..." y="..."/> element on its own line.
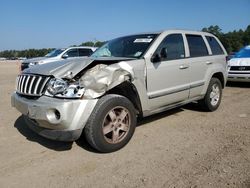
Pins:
<point x="133" y="76"/>
<point x="239" y="70"/>
<point x="230" y="56"/>
<point x="2" y="59"/>
<point x="59" y="54"/>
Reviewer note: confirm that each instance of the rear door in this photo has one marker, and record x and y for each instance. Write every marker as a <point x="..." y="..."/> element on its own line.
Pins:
<point x="168" y="78"/>
<point x="199" y="60"/>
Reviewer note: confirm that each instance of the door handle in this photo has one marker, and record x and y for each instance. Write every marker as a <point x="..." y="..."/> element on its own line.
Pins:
<point x="183" y="67"/>
<point x="209" y="62"/>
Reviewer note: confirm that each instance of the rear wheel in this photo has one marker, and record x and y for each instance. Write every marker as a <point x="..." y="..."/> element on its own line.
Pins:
<point x="111" y="124"/>
<point x="212" y="99"/>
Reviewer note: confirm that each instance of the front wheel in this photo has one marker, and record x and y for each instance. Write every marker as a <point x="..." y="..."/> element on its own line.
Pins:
<point x="212" y="99"/>
<point x="111" y="124"/>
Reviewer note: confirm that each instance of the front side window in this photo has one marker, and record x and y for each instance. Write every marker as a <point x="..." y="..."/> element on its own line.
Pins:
<point x="72" y="53"/>
<point x="54" y="53"/>
<point x="172" y="47"/>
<point x="214" y="45"/>
<point x="133" y="46"/>
<point x="197" y="46"/>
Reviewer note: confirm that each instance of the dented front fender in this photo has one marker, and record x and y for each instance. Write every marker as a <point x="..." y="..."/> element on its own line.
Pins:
<point x="101" y="78"/>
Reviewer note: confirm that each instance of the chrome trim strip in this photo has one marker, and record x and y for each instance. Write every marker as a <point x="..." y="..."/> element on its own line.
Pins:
<point x="22" y="84"/>
<point x="26" y="84"/>
<point x="161" y="94"/>
<point x="31" y="84"/>
<point x="44" y="82"/>
<point x="18" y="83"/>
<point x="37" y="84"/>
<point x="197" y="85"/>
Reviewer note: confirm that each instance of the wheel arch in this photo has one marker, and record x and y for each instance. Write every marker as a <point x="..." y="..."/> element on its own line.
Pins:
<point x="220" y="76"/>
<point x="128" y="90"/>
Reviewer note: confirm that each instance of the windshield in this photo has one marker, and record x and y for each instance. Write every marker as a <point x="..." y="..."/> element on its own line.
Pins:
<point x="130" y="46"/>
<point x="243" y="53"/>
<point x="55" y="53"/>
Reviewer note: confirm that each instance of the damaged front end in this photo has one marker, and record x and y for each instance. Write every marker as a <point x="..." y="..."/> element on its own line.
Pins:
<point x="101" y="78"/>
<point x="92" y="83"/>
<point x="57" y="103"/>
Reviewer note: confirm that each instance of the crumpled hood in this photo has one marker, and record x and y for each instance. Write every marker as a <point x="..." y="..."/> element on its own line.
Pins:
<point x="34" y="60"/>
<point x="67" y="68"/>
<point x="239" y="62"/>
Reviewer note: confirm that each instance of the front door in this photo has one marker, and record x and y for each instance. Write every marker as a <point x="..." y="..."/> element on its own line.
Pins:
<point x="168" y="75"/>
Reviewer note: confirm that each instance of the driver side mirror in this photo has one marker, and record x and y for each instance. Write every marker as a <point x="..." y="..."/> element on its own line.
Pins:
<point x="65" y="56"/>
<point x="157" y="57"/>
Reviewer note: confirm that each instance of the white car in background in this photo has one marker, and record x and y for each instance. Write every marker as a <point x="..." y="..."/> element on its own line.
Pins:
<point x="59" y="54"/>
<point x="240" y="66"/>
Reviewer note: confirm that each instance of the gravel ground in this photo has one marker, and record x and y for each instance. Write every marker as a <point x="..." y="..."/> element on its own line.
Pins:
<point x="183" y="147"/>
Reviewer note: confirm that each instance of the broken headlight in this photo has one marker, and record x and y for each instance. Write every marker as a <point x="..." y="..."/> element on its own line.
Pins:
<point x="61" y="88"/>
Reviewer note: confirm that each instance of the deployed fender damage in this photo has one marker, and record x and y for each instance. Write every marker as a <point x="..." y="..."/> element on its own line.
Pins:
<point x="101" y="78"/>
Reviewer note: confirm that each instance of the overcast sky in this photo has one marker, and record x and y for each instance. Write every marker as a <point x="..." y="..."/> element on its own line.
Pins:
<point x="61" y="23"/>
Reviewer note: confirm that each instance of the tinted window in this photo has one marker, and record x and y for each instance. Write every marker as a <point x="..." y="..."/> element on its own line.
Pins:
<point x="214" y="45"/>
<point x="197" y="46"/>
<point x="72" y="53"/>
<point x="85" y="52"/>
<point x="172" y="47"/>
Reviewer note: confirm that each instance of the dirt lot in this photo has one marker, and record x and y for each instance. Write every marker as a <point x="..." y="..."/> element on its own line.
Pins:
<point x="183" y="147"/>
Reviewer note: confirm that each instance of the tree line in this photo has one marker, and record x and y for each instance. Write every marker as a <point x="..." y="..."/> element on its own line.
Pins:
<point x="30" y="53"/>
<point x="14" y="54"/>
<point x="232" y="41"/>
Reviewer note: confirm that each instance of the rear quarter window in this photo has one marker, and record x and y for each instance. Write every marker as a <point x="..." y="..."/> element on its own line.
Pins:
<point x="197" y="46"/>
<point x="214" y="45"/>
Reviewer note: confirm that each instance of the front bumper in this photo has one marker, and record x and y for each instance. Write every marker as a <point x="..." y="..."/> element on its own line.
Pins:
<point x="53" y="118"/>
<point x="60" y="135"/>
<point x="238" y="77"/>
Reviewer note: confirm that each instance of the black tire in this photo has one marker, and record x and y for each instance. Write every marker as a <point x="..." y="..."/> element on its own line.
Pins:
<point x="108" y="113"/>
<point x="207" y="103"/>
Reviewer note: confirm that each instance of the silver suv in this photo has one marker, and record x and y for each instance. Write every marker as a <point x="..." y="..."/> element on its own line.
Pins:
<point x="133" y="76"/>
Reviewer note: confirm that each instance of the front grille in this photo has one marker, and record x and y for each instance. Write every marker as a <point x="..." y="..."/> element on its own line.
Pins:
<point x="240" y="68"/>
<point x="239" y="72"/>
<point x="31" y="85"/>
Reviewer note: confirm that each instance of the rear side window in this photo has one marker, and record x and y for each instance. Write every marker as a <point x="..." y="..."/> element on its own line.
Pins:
<point x="72" y="53"/>
<point x="197" y="46"/>
<point x="85" y="52"/>
<point x="214" y="45"/>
